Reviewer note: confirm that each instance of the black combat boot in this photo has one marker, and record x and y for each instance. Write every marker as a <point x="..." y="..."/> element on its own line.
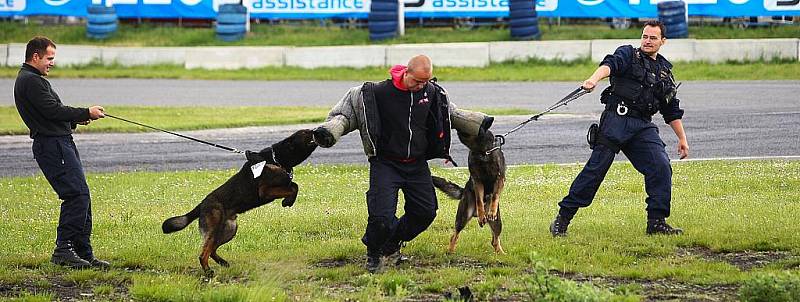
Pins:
<point x="97" y="263"/>
<point x="660" y="227"/>
<point x="65" y="255"/>
<point x="374" y="262"/>
<point x="391" y="250"/>
<point x="559" y="226"/>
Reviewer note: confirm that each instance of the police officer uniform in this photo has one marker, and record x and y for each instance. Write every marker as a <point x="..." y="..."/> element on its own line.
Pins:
<point x="51" y="124"/>
<point x="640" y="87"/>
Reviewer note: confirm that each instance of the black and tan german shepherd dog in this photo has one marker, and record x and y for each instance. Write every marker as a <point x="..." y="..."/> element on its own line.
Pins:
<point x="242" y="192"/>
<point x="480" y="197"/>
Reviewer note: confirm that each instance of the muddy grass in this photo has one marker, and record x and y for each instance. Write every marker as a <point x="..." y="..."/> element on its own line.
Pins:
<point x="745" y="260"/>
<point x="651" y="290"/>
<point x="62" y="290"/>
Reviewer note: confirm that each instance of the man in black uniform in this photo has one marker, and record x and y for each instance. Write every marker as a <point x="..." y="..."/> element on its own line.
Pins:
<point x="51" y="124"/>
<point x="641" y="85"/>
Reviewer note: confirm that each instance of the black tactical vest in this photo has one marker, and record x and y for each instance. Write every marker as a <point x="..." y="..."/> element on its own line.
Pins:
<point x="642" y="87"/>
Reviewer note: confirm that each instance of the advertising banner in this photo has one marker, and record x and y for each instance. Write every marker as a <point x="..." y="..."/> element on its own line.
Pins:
<point x="312" y="9"/>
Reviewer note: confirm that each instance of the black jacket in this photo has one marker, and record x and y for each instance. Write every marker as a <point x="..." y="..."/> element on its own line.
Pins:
<point x="41" y="108"/>
<point x="438" y="120"/>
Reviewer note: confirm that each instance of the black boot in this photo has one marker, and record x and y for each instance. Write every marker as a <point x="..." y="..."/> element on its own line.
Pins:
<point x="559" y="226"/>
<point x="391" y="250"/>
<point x="65" y="255"/>
<point x="660" y="227"/>
<point x="374" y="262"/>
<point x="97" y="263"/>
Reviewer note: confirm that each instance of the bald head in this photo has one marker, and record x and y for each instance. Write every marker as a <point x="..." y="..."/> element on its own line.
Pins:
<point x="420" y="63"/>
<point x="420" y="71"/>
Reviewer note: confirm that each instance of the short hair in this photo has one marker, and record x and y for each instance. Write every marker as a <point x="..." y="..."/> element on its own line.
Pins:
<point x="37" y="45"/>
<point x="659" y="24"/>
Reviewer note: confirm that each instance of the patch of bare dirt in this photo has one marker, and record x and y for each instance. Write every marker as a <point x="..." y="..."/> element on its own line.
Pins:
<point x="60" y="290"/>
<point x="662" y="289"/>
<point x="744" y="260"/>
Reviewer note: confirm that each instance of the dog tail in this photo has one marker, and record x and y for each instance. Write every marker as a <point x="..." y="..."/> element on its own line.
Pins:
<point x="449" y="188"/>
<point x="178" y="223"/>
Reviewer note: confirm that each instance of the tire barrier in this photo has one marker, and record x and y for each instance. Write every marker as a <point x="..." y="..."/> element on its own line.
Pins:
<point x="382" y="19"/>
<point x="231" y="22"/>
<point x="101" y="21"/>
<point x="673" y="15"/>
<point x="522" y="20"/>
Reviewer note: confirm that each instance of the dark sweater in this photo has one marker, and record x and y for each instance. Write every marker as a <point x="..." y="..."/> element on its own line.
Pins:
<point x="404" y="117"/>
<point x="41" y="108"/>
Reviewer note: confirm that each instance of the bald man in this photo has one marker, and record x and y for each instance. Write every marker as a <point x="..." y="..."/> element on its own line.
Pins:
<point x="404" y="121"/>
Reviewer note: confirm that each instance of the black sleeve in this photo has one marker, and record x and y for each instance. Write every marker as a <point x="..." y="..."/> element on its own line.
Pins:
<point x="620" y="60"/>
<point x="45" y="102"/>
<point x="672" y="111"/>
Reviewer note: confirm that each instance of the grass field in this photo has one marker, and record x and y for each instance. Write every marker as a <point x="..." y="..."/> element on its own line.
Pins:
<point x="315" y="35"/>
<point x="533" y="70"/>
<point x="742" y="240"/>
<point x="195" y="118"/>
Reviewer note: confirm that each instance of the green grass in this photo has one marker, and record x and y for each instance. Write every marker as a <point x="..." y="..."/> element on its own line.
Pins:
<point x="196" y="118"/>
<point x="312" y="251"/>
<point x="310" y="34"/>
<point x="532" y="70"/>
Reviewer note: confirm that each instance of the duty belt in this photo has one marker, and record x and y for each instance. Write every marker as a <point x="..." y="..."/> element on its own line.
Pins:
<point x="623" y="110"/>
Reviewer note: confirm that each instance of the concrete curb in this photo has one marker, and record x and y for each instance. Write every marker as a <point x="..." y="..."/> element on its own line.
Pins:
<point x="480" y="54"/>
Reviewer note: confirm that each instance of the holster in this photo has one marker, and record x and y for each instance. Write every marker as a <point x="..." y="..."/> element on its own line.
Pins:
<point x="594" y="137"/>
<point x="591" y="135"/>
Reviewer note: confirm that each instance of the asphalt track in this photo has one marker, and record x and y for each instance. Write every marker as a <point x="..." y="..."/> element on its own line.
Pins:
<point x="727" y="119"/>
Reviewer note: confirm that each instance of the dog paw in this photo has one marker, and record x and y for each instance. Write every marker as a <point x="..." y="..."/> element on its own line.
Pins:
<point x="490" y="216"/>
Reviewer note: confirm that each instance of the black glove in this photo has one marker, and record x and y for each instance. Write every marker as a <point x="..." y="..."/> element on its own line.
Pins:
<point x="323" y="137"/>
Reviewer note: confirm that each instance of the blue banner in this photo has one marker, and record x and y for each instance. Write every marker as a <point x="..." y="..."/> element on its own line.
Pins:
<point x="311" y="9"/>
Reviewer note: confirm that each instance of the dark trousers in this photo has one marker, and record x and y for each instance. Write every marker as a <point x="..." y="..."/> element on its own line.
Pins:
<point x="386" y="178"/>
<point x="60" y="162"/>
<point x="639" y="141"/>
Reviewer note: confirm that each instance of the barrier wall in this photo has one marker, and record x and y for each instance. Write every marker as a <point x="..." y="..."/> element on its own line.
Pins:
<point x="3" y="54"/>
<point x="445" y="54"/>
<point x="547" y="50"/>
<point x="336" y="56"/>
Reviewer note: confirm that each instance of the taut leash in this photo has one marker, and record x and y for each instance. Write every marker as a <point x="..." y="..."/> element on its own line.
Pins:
<point x="500" y="140"/>
<point x="178" y="134"/>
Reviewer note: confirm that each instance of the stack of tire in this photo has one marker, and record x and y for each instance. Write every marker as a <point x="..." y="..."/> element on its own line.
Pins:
<point x="101" y="21"/>
<point x="522" y="20"/>
<point x="673" y="15"/>
<point x="231" y="22"/>
<point x="382" y="19"/>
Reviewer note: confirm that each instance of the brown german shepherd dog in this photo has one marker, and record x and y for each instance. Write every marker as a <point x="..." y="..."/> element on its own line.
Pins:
<point x="242" y="192"/>
<point x="480" y="197"/>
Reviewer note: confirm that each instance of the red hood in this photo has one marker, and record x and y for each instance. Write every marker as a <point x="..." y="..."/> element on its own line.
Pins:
<point x="397" y="73"/>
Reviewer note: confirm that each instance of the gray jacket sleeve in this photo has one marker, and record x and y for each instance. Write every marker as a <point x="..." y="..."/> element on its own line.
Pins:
<point x="343" y="117"/>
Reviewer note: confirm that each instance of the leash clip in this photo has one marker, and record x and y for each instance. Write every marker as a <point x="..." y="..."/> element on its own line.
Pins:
<point x="622" y="109"/>
<point x="499" y="141"/>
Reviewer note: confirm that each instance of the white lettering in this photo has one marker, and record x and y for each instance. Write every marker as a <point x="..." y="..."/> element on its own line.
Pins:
<point x="590" y="2"/>
<point x="56" y="2"/>
<point x="739" y="1"/>
<point x="12" y="5"/>
<point x="782" y="5"/>
<point x="546" y="5"/>
<point x="157" y="2"/>
<point x="115" y="2"/>
<point x="191" y="2"/>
